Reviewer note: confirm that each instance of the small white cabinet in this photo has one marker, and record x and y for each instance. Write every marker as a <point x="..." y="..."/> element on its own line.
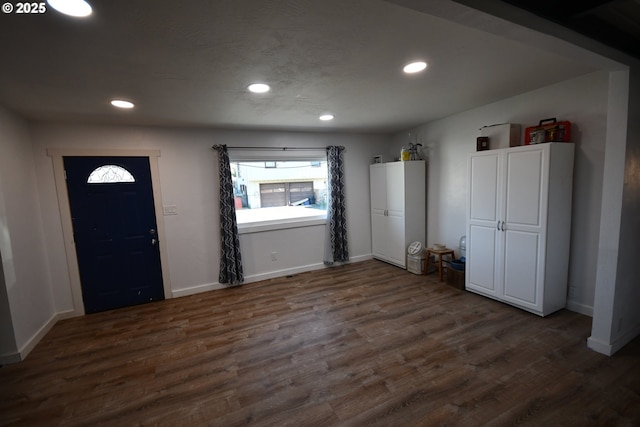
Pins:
<point x="519" y="225"/>
<point x="398" y="197"/>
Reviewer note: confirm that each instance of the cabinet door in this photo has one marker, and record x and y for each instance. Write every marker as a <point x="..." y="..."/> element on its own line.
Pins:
<point x="522" y="269"/>
<point x="395" y="213"/>
<point x="378" y="186"/>
<point x="525" y="180"/>
<point x="482" y="259"/>
<point x="483" y="226"/>
<point x="525" y="198"/>
<point x="379" y="235"/>
<point x="378" y="192"/>
<point x="396" y="249"/>
<point x="395" y="188"/>
<point x="484" y="188"/>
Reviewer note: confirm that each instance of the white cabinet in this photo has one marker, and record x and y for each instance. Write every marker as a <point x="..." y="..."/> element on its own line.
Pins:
<point x="519" y="225"/>
<point x="398" y="196"/>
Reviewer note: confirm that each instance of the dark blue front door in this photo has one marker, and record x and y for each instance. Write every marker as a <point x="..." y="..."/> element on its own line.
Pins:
<point x="114" y="226"/>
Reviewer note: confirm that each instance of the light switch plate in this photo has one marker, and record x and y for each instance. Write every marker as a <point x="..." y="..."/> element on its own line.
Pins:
<point x="170" y="210"/>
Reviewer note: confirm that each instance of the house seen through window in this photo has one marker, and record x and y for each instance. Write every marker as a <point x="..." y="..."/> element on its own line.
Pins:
<point x="279" y="191"/>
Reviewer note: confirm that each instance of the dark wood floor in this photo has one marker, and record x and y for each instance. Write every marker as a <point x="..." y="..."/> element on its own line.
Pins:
<point x="363" y="344"/>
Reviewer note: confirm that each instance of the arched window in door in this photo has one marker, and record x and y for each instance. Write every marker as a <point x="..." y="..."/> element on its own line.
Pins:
<point x="108" y="174"/>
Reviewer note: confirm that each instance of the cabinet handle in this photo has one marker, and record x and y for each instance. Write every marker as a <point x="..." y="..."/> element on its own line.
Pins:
<point x="502" y="226"/>
<point x="498" y="226"/>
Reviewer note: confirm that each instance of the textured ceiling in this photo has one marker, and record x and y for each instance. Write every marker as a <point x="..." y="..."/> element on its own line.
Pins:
<point x="188" y="63"/>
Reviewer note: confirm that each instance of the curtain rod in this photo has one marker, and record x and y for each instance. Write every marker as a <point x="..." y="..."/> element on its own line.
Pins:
<point x="216" y="147"/>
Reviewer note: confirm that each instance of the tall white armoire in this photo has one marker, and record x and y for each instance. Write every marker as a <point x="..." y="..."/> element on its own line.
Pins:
<point x="519" y="225"/>
<point x="398" y="206"/>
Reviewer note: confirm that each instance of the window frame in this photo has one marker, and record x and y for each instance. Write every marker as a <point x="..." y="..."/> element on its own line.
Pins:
<point x="239" y="156"/>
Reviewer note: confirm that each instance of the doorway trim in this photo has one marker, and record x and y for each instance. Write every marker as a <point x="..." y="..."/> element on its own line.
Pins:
<point x="57" y="155"/>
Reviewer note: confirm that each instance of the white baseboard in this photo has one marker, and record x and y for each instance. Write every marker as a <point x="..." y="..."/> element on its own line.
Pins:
<point x="196" y="289"/>
<point x="599" y="346"/>
<point x="577" y="307"/>
<point x="610" y="349"/>
<point x="361" y="258"/>
<point x="625" y="338"/>
<point x="68" y="314"/>
<point x="283" y="272"/>
<point x="30" y="344"/>
<point x="261" y="276"/>
<point x="35" y="339"/>
<point x="8" y="359"/>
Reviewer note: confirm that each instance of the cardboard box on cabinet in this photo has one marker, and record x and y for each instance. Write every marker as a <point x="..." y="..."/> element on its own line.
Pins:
<point x="502" y="136"/>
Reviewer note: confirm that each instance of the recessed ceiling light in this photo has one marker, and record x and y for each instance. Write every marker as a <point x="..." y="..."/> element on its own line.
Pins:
<point x="415" y="67"/>
<point x="77" y="8"/>
<point x="258" y="88"/>
<point x="326" y="117"/>
<point x="119" y="103"/>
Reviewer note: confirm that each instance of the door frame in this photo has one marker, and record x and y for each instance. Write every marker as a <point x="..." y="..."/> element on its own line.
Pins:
<point x="57" y="155"/>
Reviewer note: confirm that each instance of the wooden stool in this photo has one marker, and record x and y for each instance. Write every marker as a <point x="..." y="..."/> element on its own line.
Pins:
<point x="440" y="253"/>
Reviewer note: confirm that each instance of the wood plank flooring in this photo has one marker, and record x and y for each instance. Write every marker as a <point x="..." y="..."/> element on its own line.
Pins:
<point x="363" y="344"/>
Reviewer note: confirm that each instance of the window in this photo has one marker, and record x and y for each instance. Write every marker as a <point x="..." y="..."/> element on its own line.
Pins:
<point x="110" y="174"/>
<point x="279" y="192"/>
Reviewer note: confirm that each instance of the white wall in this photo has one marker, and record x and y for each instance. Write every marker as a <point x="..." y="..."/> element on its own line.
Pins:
<point x="583" y="101"/>
<point x="626" y="319"/>
<point x="616" y="319"/>
<point x="25" y="267"/>
<point x="188" y="176"/>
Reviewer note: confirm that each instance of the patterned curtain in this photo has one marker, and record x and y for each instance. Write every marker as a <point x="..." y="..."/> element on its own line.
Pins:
<point x="230" y="259"/>
<point x="336" y="245"/>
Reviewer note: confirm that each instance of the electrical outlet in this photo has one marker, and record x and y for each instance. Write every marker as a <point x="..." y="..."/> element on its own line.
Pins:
<point x="274" y="256"/>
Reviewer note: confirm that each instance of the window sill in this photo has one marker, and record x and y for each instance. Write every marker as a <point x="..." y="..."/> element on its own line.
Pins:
<point x="259" y="227"/>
